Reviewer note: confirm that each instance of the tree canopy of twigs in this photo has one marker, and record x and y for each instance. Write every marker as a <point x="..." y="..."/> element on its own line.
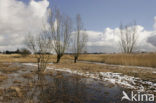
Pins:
<point x="40" y="46"/>
<point x="79" y="39"/>
<point x="60" y="30"/>
<point x="128" y="38"/>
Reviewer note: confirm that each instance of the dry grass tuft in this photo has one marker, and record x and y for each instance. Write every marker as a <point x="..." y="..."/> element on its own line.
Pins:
<point x="6" y="68"/>
<point x="17" y="81"/>
<point x="3" y="77"/>
<point x="28" y="75"/>
<point x="16" y="91"/>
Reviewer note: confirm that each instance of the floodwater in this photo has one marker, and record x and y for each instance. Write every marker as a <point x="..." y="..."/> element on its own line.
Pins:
<point x="27" y="86"/>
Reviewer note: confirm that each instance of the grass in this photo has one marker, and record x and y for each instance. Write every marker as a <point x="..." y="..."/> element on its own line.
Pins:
<point x="144" y="59"/>
<point x="28" y="75"/>
<point x="5" y="68"/>
<point x="17" y="58"/>
<point x="3" y="77"/>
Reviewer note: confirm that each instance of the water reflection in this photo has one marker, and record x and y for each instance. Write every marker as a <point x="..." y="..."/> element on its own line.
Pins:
<point x="57" y="87"/>
<point x="66" y="88"/>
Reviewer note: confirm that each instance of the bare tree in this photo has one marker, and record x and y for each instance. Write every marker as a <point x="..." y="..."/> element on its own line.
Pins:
<point x="79" y="39"/>
<point x="60" y="29"/>
<point x="40" y="46"/>
<point x="128" y="38"/>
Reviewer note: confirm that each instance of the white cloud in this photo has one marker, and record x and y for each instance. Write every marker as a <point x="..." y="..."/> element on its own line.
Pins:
<point x="108" y="41"/>
<point x="152" y="39"/>
<point x="154" y="23"/>
<point x="108" y="37"/>
<point x="17" y="19"/>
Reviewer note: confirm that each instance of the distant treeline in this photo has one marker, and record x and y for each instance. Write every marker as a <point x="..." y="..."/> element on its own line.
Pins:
<point x="11" y="52"/>
<point x="25" y="51"/>
<point x="22" y="51"/>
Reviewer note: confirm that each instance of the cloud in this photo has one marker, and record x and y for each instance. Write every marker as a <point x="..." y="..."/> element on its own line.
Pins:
<point x="108" y="41"/>
<point x="107" y="37"/>
<point x="152" y="39"/>
<point x="18" y="19"/>
<point x="103" y="41"/>
<point x="154" y="23"/>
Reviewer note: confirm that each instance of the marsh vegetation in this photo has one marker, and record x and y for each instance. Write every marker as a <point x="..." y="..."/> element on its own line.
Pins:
<point x="25" y="84"/>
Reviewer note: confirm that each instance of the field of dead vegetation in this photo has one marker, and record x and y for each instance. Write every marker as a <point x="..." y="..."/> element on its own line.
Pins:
<point x="118" y="69"/>
<point x="142" y="59"/>
<point x="148" y="60"/>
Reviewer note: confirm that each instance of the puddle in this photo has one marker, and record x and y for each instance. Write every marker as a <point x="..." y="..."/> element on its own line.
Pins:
<point x="26" y="86"/>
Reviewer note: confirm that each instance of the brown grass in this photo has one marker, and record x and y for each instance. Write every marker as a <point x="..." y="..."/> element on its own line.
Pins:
<point x="28" y="75"/>
<point x="6" y="68"/>
<point x="142" y="59"/>
<point x="3" y="77"/>
<point x="146" y="59"/>
<point x="17" y="58"/>
<point x="16" y="91"/>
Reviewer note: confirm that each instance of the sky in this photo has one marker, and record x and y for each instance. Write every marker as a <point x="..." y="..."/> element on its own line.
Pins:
<point x="101" y="19"/>
<point x="99" y="14"/>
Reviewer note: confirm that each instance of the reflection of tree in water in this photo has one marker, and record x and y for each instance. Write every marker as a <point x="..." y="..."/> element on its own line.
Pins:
<point x="56" y="89"/>
<point x="60" y="87"/>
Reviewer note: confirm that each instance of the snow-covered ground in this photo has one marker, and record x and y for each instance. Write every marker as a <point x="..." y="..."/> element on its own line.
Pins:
<point x="115" y="78"/>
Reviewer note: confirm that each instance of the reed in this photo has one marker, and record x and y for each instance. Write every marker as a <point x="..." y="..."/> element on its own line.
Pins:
<point x="142" y="59"/>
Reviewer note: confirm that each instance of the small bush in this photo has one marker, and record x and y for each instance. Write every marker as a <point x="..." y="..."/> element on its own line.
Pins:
<point x="25" y="52"/>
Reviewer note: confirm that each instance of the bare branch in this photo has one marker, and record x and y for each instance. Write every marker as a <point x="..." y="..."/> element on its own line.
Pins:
<point x="79" y="39"/>
<point x="60" y="30"/>
<point x="128" y="38"/>
<point x="40" y="46"/>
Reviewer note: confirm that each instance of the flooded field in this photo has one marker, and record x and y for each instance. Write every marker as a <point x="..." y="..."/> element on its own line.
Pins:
<point x="25" y="85"/>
